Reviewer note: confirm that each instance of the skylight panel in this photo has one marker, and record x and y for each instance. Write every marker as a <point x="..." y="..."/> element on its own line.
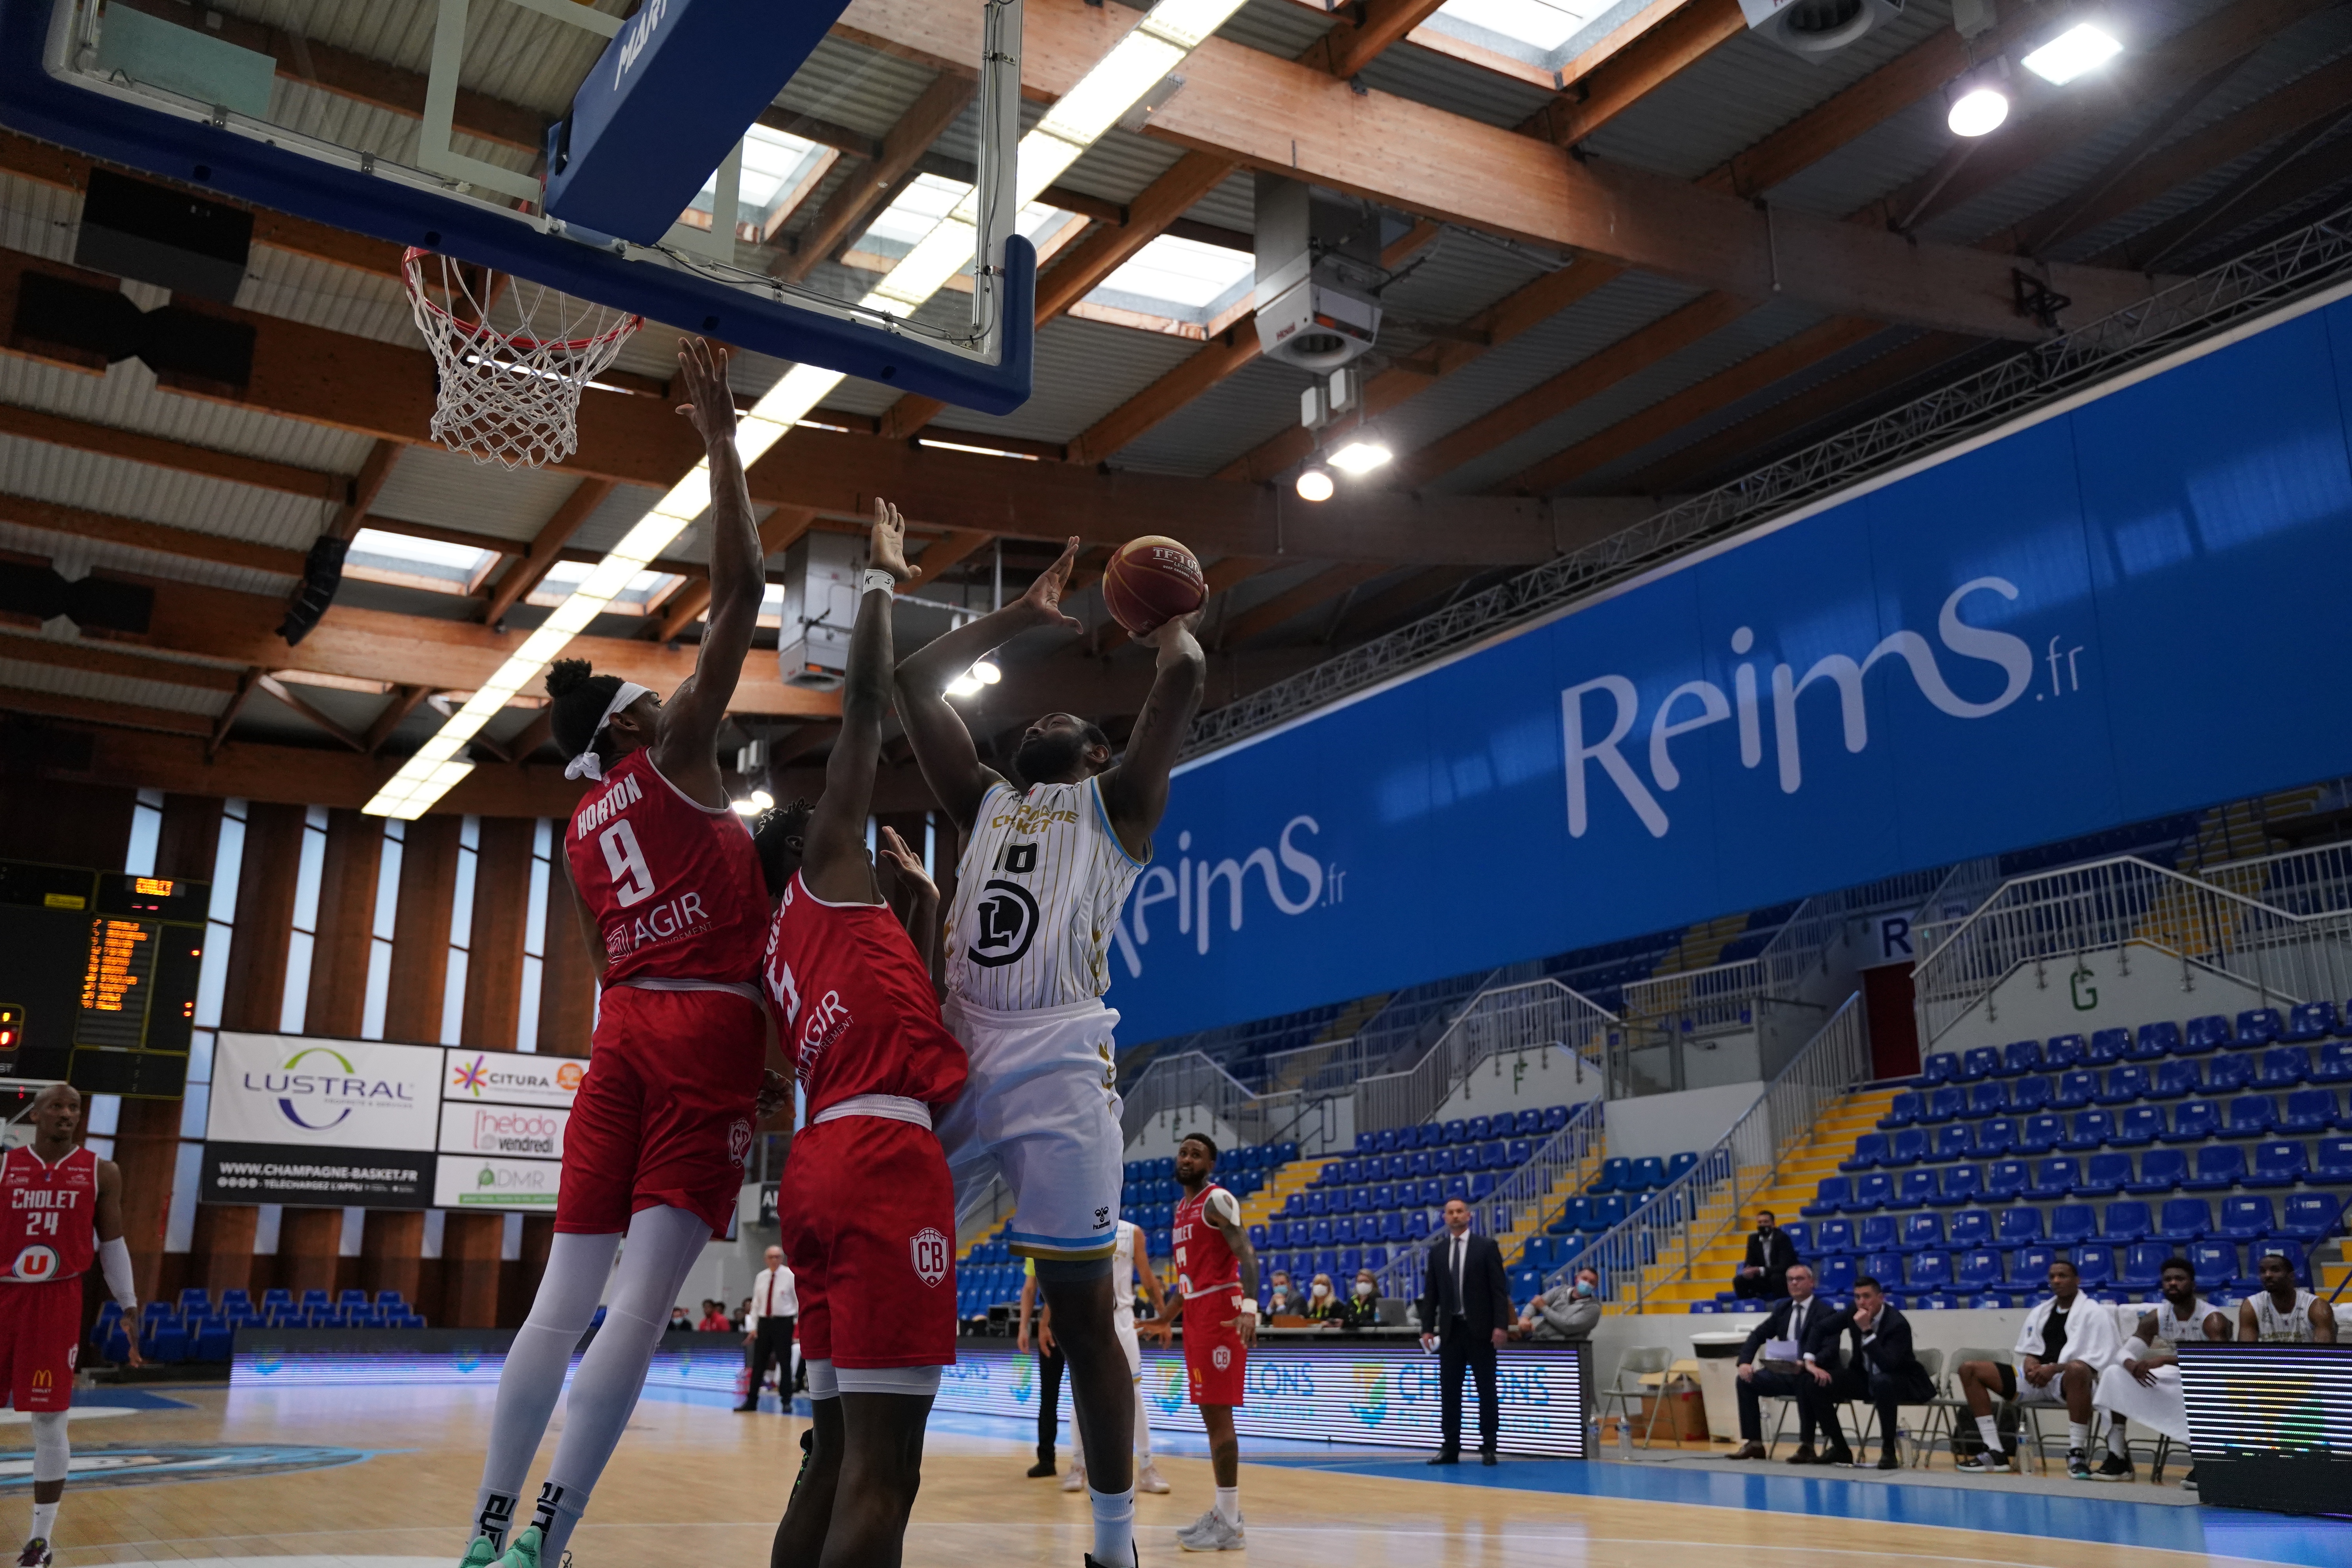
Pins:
<point x="1541" y="25"/>
<point x="1182" y="272"/>
<point x="409" y="549"/>
<point x="772" y="160"/>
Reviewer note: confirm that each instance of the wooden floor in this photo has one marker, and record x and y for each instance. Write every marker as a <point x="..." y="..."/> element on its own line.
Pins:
<point x="385" y="1478"/>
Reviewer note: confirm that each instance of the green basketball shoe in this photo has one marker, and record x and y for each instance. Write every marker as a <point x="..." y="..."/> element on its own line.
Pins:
<point x="524" y="1551"/>
<point x="481" y="1555"/>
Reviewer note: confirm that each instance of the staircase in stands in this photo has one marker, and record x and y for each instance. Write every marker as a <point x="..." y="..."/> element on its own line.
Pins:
<point x="1671" y="1288"/>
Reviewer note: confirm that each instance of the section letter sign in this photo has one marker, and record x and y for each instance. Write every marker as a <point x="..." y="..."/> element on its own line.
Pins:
<point x="321" y="1123"/>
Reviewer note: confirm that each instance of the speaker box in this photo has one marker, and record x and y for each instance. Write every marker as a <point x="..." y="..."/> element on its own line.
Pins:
<point x="161" y="235"/>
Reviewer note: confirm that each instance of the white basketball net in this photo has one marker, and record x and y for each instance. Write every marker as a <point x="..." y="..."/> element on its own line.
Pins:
<point x="511" y="395"/>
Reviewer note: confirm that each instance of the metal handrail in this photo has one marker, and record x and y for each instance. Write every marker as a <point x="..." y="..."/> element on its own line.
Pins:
<point x="1538" y="1015"/>
<point x="2301" y="881"/>
<point x="1666" y="1236"/>
<point x="1191" y="1084"/>
<point x="1572" y="1154"/>
<point x="2124" y="901"/>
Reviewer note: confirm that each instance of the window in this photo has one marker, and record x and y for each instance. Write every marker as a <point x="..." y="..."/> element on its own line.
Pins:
<point x="212" y="981"/>
<point x="779" y="171"/>
<point x="405" y="560"/>
<point x="534" y="935"/>
<point x="1537" y="31"/>
<point x="646" y="588"/>
<point x="1179" y="286"/>
<point x="918" y="210"/>
<point x="461" y="932"/>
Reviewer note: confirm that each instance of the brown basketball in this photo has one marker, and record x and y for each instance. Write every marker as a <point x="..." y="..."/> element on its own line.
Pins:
<point x="1151" y="582"/>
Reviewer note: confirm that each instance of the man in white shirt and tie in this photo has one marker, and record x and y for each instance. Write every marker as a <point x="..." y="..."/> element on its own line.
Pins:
<point x="768" y="1338"/>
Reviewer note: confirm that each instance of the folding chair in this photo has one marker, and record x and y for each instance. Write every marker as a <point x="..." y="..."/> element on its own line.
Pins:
<point x="1644" y="1364"/>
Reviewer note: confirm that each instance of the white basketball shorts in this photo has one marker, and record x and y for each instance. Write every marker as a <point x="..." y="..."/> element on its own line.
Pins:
<point x="1040" y="1108"/>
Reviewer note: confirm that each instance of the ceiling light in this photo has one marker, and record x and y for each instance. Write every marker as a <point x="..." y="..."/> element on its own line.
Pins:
<point x="1978" y="111"/>
<point x="2079" y="48"/>
<point x="986" y="673"/>
<point x="762" y="799"/>
<point x="745" y="807"/>
<point x="1315" y="484"/>
<point x="963" y="685"/>
<point x="1360" y="456"/>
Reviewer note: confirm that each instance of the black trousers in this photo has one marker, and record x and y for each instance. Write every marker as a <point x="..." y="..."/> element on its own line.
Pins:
<point x="1460" y="1350"/>
<point x="1049" y="1401"/>
<point x="772" y="1346"/>
<point x="1772" y="1383"/>
<point x="1757" y="1287"/>
<point x="1882" y="1391"/>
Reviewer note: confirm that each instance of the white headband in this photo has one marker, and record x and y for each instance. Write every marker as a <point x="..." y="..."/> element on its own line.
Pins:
<point x="587" y="765"/>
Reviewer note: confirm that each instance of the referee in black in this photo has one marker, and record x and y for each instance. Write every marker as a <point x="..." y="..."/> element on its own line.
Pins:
<point x="768" y="1338"/>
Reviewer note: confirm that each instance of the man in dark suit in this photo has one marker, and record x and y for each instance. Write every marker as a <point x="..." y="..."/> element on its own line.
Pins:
<point x="1763" y="1275"/>
<point x="1884" y="1369"/>
<point x="1465" y="1312"/>
<point x="1797" y="1337"/>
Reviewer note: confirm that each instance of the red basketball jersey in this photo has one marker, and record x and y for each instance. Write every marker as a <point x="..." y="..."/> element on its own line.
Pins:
<point x="854" y="1007"/>
<point x="1204" y="1261"/>
<point x="48" y="1216"/>
<point x="675" y="885"/>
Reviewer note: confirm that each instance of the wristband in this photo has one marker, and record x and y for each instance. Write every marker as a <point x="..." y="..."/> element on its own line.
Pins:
<point x="877" y="580"/>
<point x="1249" y="1308"/>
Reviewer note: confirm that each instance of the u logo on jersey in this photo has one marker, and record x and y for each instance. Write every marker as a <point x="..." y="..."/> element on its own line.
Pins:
<point x="1007" y="917"/>
<point x="35" y="1263"/>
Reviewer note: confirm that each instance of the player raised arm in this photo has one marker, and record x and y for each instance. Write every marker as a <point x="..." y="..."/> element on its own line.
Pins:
<point x="943" y="747"/>
<point x="834" y="865"/>
<point x="1135" y="793"/>
<point x="919" y="904"/>
<point x="686" y="746"/>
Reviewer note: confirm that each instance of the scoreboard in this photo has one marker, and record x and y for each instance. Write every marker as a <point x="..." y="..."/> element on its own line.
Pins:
<point x="97" y="978"/>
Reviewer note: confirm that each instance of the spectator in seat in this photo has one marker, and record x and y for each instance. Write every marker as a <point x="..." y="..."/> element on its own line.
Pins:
<point x="714" y="1319"/>
<point x="742" y="1318"/>
<point x="1882" y="1370"/>
<point x="2143" y="1386"/>
<point x="1799" y="1329"/>
<point x="679" y="1323"/>
<point x="2067" y="1342"/>
<point x="1282" y="1301"/>
<point x="1322" y="1304"/>
<point x="2282" y="1313"/>
<point x="1763" y="1276"/>
<point x="1564" y="1312"/>
<point x="1362" y="1307"/>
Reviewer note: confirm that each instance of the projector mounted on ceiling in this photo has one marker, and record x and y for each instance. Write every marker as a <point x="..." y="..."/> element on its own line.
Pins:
<point x="1817" y="28"/>
<point x="1318" y="275"/>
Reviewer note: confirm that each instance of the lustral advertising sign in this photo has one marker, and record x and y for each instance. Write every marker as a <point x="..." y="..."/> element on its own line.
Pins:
<point x="2022" y="638"/>
<point x="362" y="1123"/>
<point x="1384" y="1394"/>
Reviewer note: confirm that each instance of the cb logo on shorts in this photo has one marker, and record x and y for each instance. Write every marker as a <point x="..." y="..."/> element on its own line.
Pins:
<point x="1222" y="1357"/>
<point x="930" y="1254"/>
<point x="739" y="1141"/>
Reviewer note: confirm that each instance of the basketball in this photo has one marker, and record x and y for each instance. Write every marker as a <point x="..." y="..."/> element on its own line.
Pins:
<point x="1151" y="582"/>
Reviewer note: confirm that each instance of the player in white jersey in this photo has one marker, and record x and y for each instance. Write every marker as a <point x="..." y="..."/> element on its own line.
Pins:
<point x="2144" y="1385"/>
<point x="1045" y="866"/>
<point x="2282" y="1313"/>
<point x="1130" y="1261"/>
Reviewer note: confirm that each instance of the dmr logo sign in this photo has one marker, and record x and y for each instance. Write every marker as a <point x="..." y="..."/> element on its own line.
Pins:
<point x="1209" y="890"/>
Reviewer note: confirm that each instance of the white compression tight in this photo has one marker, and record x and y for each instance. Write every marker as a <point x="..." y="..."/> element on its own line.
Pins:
<point x="51" y="1454"/>
<point x="663" y="1244"/>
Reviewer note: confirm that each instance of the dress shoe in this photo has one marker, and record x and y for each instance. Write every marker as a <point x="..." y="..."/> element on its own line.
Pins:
<point x="1446" y="1457"/>
<point x="1804" y="1455"/>
<point x="754" y="1405"/>
<point x="1486" y="1456"/>
<point x="1042" y="1468"/>
<point x="1748" y="1450"/>
<point x="1887" y="1461"/>
<point x="1841" y="1454"/>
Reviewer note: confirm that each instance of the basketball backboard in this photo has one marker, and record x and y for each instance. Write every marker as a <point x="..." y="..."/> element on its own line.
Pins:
<point x="708" y="164"/>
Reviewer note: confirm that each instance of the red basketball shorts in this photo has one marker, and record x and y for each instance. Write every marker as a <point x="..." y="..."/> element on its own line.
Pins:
<point x="1215" y="1361"/>
<point x="664" y="1117"/>
<point x="40" y="1336"/>
<point x="868" y="1221"/>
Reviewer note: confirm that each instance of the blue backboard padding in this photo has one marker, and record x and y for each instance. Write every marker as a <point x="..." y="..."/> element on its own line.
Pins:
<point x="2172" y="548"/>
<point x="665" y="102"/>
<point x="37" y="104"/>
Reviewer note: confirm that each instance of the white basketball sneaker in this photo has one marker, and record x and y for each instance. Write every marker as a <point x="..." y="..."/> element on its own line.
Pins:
<point x="1076" y="1481"/>
<point x="1148" y="1477"/>
<point x="1210" y="1532"/>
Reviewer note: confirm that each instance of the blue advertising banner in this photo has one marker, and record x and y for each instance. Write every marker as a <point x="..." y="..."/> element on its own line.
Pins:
<point x="2120" y="610"/>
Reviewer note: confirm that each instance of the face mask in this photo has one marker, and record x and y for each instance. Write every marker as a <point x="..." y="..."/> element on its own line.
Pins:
<point x="1581" y="1289"/>
<point x="1049" y="755"/>
<point x="1363" y="1288"/>
<point x="1321" y="1291"/>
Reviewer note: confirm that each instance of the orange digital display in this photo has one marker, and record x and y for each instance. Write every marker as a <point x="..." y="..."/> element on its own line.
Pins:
<point x="159" y="886"/>
<point x="115" y="961"/>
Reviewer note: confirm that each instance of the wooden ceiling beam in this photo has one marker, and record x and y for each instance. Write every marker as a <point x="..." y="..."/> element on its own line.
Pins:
<point x="868" y="189"/>
<point x="1352" y="43"/>
<point x="1294" y="601"/>
<point x="365" y="486"/>
<point x="95" y="660"/>
<point x="1673" y="41"/>
<point x="397" y="706"/>
<point x="162" y="538"/>
<point x="301" y="705"/>
<point x="184" y="457"/>
<point x="526" y="573"/>
<point x="92" y="709"/>
<point x="531" y="737"/>
<point x="778" y="532"/>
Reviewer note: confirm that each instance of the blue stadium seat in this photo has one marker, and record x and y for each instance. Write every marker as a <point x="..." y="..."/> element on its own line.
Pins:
<point x="2019" y="1226"/>
<point x="2333" y="1063"/>
<point x="2217" y="1168"/>
<point x="1981" y="1268"/>
<point x="2183" y="1220"/>
<point x="2028" y="1095"/>
<point x="2247" y="1217"/>
<point x="1800" y="1233"/>
<point x="1555" y="1117"/>
<point x="1959" y="1185"/>
<point x="1877" y="1234"/>
<point x="2106" y="1046"/>
<point x="2258" y="1026"/>
<point x="2174" y="1079"/>
<point x="2071" y="1222"/>
<point x="214" y="1341"/>
<point x="2194" y="1120"/>
<point x="1984" y="1061"/>
<point x="2310" y="1021"/>
<point x="2124" y="1220"/>
<point x="1908" y="1147"/>
<point x="2279" y="1163"/>
<point x="2143" y="1265"/>
<point x="1995" y="1137"/>
<point x="195" y="1297"/>
<point x="1870" y="1192"/>
<point x="2216" y="1262"/>
<point x="1685" y="1161"/>
<point x="1990" y="1098"/>
<point x="2210" y="1033"/>
<point x="1913" y="1188"/>
<point x="1837" y="1274"/>
<point x="1922" y="1231"/>
<point x="2040" y="1135"/>
<point x="1571" y="1215"/>
<point x="2252" y="1115"/>
<point x="2309" y="1216"/>
<point x="2063" y="1051"/>
<point x="1958" y="1141"/>
<point x="1930" y="1271"/>
<point x="1481" y="1127"/>
<point x="2137" y="1127"/>
<point x="1945" y="1104"/>
<point x="1457" y="1130"/>
<point x="2284" y="1067"/>
<point x="2030" y="1265"/>
<point x="1649" y="1173"/>
<point x="2332" y="1160"/>
<point x="1615" y="1174"/>
<point x="2125" y="1084"/>
<point x="2007" y="1179"/>
<point x="2075" y="1089"/>
<point x="2088" y="1130"/>
<point x="1611" y="1211"/>
<point x="2228" y="1074"/>
<point x="1904" y="1111"/>
<point x="2094" y="1263"/>
<point x="1883" y="1266"/>
<point x="2308" y="1110"/>
<point x="2290" y="1250"/>
<point x="2055" y="1177"/>
<point x="2021" y="1056"/>
<point x="2104" y="1175"/>
<point x="1832" y="1237"/>
<point x="2154" y="1040"/>
<point x="1941" y="1067"/>
<point x="1972" y="1227"/>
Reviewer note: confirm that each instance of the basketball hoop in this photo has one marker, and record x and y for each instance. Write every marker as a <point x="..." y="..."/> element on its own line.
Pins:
<point x="511" y="396"/>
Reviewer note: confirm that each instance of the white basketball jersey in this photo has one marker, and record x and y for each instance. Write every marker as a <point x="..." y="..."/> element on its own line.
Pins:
<point x="2179" y="1331"/>
<point x="1040" y="884"/>
<point x="2291" y="1326"/>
